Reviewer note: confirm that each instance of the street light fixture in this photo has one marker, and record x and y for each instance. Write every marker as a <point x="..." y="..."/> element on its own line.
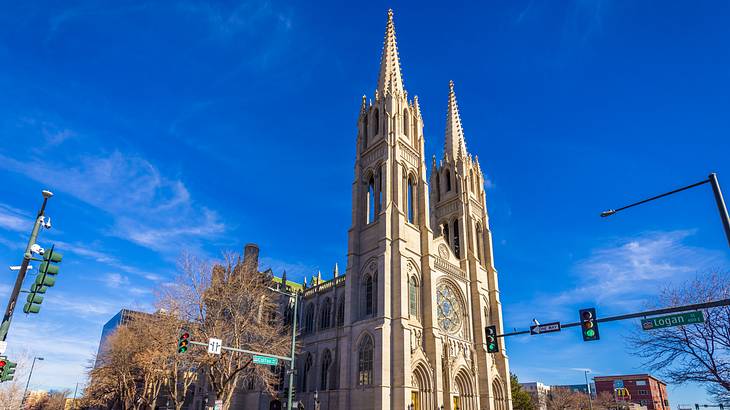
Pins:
<point x="712" y="180"/>
<point x="31" y="366"/>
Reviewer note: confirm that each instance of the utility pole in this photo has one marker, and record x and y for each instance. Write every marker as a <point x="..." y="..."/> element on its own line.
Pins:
<point x="5" y="327"/>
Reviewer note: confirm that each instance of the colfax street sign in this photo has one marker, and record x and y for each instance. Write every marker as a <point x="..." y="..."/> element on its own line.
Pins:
<point x="678" y="319"/>
<point x="546" y="328"/>
<point x="271" y="361"/>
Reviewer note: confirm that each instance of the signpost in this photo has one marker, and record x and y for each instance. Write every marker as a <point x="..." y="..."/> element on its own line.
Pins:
<point x="546" y="328"/>
<point x="214" y="346"/>
<point x="267" y="360"/>
<point x="678" y="319"/>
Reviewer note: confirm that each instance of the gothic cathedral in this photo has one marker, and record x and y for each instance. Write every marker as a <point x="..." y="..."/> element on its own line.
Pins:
<point x="404" y="327"/>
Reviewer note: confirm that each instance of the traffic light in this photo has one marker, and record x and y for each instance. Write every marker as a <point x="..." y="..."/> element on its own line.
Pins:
<point x="182" y="342"/>
<point x="7" y="369"/>
<point x="589" y="325"/>
<point x="46" y="278"/>
<point x="492" y="345"/>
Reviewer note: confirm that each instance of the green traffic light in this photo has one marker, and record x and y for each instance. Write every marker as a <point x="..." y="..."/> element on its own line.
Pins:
<point x="590" y="333"/>
<point x="48" y="268"/>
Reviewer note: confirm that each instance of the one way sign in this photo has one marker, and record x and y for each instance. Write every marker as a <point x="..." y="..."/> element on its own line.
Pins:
<point x="546" y="328"/>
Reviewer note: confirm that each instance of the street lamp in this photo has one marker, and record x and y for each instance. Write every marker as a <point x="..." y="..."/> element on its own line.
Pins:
<point x="29" y="376"/>
<point x="712" y="179"/>
<point x="588" y="386"/>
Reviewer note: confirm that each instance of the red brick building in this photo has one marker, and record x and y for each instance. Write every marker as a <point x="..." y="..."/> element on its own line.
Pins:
<point x="645" y="389"/>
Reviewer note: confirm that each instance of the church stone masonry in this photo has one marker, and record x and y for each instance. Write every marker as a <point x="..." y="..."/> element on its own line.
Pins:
<point x="404" y="327"/>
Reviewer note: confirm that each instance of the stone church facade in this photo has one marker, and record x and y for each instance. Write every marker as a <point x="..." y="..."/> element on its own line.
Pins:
<point x="404" y="327"/>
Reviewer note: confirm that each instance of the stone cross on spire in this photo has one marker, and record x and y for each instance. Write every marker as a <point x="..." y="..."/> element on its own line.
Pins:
<point x="390" y="78"/>
<point x="454" y="145"/>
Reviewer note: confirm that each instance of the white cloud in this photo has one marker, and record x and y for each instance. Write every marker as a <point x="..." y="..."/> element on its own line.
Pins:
<point x="622" y="276"/>
<point x="147" y="208"/>
<point x="14" y="219"/>
<point x="115" y="280"/>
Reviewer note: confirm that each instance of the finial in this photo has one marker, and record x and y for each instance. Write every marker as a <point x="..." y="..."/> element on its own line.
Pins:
<point x="337" y="270"/>
<point x="390" y="14"/>
<point x="451" y="85"/>
<point x="305" y="282"/>
<point x="319" y="276"/>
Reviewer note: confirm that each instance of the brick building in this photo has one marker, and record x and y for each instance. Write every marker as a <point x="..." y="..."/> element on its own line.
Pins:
<point x="644" y="389"/>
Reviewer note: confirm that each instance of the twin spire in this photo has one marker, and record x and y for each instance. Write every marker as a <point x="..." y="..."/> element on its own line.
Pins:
<point x="390" y="78"/>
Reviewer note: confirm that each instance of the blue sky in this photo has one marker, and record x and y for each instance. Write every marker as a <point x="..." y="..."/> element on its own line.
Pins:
<point x="203" y="126"/>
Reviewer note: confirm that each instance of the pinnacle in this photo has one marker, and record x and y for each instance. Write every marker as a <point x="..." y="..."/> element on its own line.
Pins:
<point x="390" y="78"/>
<point x="454" y="144"/>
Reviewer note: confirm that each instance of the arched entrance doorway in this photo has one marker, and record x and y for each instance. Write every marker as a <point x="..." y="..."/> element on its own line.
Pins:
<point x="498" y="393"/>
<point x="421" y="394"/>
<point x="464" y="398"/>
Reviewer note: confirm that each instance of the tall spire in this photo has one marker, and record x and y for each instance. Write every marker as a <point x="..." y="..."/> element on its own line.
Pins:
<point x="390" y="78"/>
<point x="454" y="145"/>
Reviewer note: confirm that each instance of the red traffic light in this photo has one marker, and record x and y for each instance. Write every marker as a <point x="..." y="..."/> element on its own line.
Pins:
<point x="185" y="335"/>
<point x="2" y="363"/>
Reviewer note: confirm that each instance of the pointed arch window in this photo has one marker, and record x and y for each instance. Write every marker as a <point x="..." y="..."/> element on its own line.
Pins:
<point x="447" y="180"/>
<point x="365" y="132"/>
<point x="368" y="295"/>
<point x="371" y="200"/>
<point x="409" y="200"/>
<point x="446" y="232"/>
<point x="309" y="319"/>
<point x="365" y="362"/>
<point x="377" y="122"/>
<point x="305" y="374"/>
<point x="480" y="243"/>
<point x="457" y="249"/>
<point x="437" y="184"/>
<point x="380" y="192"/>
<point x="471" y="180"/>
<point x="325" y="314"/>
<point x="341" y="312"/>
<point x="413" y="299"/>
<point x="325" y="370"/>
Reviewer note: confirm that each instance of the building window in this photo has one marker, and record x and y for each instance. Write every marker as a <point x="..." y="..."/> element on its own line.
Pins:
<point x="471" y="180"/>
<point x="324" y="377"/>
<point x="325" y="314"/>
<point x="365" y="132"/>
<point x="368" y="295"/>
<point x="307" y="368"/>
<point x="377" y="122"/>
<point x="643" y="392"/>
<point x="447" y="178"/>
<point x="641" y="382"/>
<point x="365" y="362"/>
<point x="438" y="188"/>
<point x="410" y="207"/>
<point x="309" y="319"/>
<point x="479" y="243"/>
<point x="371" y="200"/>
<point x="446" y="232"/>
<point x="380" y="191"/>
<point x="341" y="312"/>
<point x="413" y="297"/>
<point x="457" y="251"/>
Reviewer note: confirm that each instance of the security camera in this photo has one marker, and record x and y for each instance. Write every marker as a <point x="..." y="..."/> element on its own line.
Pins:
<point x="46" y="222"/>
<point x="35" y="248"/>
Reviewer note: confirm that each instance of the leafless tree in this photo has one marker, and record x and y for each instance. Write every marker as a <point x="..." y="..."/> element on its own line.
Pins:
<point x="230" y="301"/>
<point x="53" y="400"/>
<point x="698" y="353"/>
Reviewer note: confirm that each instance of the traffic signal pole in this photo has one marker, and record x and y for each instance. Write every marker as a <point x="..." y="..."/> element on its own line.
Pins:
<point x="5" y="327"/>
<point x="675" y="309"/>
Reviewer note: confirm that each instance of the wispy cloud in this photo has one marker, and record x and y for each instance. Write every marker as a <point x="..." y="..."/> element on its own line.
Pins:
<point x="623" y="275"/>
<point x="140" y="199"/>
<point x="14" y="219"/>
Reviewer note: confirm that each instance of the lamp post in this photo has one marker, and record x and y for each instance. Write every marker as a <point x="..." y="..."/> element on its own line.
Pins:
<point x="22" y="402"/>
<point x="712" y="180"/>
<point x="588" y="386"/>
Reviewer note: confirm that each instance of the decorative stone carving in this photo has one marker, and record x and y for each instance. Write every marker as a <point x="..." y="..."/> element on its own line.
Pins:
<point x="443" y="249"/>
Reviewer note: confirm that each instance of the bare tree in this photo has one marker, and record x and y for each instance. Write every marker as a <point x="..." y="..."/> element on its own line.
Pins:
<point x="230" y="301"/>
<point x="561" y="399"/>
<point x="699" y="352"/>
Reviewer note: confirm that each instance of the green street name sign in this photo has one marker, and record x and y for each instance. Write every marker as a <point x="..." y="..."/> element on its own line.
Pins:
<point x="679" y="319"/>
<point x="271" y="361"/>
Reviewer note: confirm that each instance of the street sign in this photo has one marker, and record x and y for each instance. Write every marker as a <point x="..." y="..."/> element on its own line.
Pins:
<point x="678" y="319"/>
<point x="546" y="328"/>
<point x="271" y="361"/>
<point x="618" y="384"/>
<point x="214" y="346"/>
